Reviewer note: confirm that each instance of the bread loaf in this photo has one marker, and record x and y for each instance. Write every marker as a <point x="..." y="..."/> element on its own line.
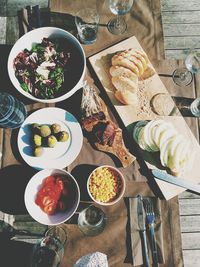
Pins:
<point x="127" y="68"/>
<point x="126" y="97"/>
<point x="123" y="83"/>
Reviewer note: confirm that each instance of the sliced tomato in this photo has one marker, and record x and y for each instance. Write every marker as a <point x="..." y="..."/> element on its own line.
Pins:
<point x="50" y="179"/>
<point x="51" y="208"/>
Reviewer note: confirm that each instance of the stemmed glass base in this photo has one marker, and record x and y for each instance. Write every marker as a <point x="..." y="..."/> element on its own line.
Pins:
<point x="182" y="77"/>
<point x="117" y="26"/>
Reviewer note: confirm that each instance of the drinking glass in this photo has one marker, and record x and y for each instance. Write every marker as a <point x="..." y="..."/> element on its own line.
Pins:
<point x="12" y="111"/>
<point x="91" y="221"/>
<point x="119" y="7"/>
<point x="184" y="76"/>
<point x="87" y="22"/>
<point x="195" y="107"/>
<point x="49" y="251"/>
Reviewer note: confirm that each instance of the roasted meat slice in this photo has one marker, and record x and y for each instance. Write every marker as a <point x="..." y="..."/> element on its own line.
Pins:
<point x="102" y="131"/>
<point x="89" y="122"/>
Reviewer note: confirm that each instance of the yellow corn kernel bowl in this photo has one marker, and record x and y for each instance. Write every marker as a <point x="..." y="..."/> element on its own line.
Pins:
<point x="106" y="185"/>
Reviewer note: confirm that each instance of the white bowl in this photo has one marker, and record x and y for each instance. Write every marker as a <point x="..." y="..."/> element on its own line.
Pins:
<point x="36" y="212"/>
<point x="76" y="70"/>
<point x="121" y="192"/>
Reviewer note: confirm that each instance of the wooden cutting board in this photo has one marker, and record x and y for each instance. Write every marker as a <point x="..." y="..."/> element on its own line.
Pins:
<point x="130" y="114"/>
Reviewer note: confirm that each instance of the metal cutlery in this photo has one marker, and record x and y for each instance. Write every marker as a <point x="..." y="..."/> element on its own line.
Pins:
<point x="142" y="226"/>
<point x="150" y="218"/>
<point x="161" y="175"/>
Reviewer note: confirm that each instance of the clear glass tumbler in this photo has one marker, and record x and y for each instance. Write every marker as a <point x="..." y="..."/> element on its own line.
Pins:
<point x="49" y="251"/>
<point x="91" y="221"/>
<point x="87" y="22"/>
<point x="195" y="107"/>
<point x="12" y="111"/>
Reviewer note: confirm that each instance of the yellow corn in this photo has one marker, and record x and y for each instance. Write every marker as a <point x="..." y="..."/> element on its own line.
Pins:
<point x="104" y="184"/>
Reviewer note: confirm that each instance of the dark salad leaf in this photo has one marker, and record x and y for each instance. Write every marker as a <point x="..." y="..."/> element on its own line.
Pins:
<point x="40" y="71"/>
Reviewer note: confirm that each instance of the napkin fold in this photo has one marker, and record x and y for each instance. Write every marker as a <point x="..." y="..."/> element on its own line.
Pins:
<point x="137" y="250"/>
<point x="32" y="17"/>
<point x="96" y="259"/>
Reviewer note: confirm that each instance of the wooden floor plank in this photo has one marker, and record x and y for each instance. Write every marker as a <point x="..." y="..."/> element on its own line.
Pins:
<point x="189" y="206"/>
<point x="12" y="30"/>
<point x="174" y="17"/>
<point x="181" y="30"/>
<point x="3" y="30"/>
<point x="180" y="42"/>
<point x="190" y="224"/>
<point x="3" y="8"/>
<point x="183" y="5"/>
<point x="191" y="258"/>
<point x="190" y="241"/>
<point x="189" y="195"/>
<point x="176" y="53"/>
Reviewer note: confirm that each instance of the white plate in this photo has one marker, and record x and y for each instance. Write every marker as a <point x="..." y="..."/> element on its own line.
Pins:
<point x="36" y="212"/>
<point x="63" y="153"/>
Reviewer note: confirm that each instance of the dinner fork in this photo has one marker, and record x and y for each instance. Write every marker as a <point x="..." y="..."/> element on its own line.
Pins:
<point x="150" y="218"/>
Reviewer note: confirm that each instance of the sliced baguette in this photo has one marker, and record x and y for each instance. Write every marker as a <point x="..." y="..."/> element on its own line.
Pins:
<point x="125" y="62"/>
<point x="126" y="97"/>
<point x="122" y="83"/>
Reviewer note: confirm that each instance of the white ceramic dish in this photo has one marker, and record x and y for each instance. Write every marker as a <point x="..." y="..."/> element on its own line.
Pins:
<point x="121" y="192"/>
<point x="36" y="212"/>
<point x="63" y="153"/>
<point x="76" y="70"/>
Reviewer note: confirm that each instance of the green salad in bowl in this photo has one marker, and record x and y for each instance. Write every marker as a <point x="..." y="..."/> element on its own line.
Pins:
<point x="41" y="70"/>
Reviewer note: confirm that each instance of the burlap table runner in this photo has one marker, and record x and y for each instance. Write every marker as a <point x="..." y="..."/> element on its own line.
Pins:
<point x="144" y="21"/>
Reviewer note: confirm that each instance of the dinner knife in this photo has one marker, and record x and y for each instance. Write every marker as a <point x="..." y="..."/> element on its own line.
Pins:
<point x="142" y="226"/>
<point x="195" y="188"/>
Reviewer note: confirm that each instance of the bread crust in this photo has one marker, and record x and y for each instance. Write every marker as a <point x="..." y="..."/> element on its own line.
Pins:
<point x="125" y="62"/>
<point x="126" y="97"/>
<point x="122" y="71"/>
<point x="122" y="83"/>
<point x="127" y="68"/>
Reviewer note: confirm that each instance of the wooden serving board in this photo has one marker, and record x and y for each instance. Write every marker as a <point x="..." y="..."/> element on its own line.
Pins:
<point x="129" y="114"/>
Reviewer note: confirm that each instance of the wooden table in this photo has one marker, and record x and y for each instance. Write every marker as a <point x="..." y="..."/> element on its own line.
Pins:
<point x="189" y="203"/>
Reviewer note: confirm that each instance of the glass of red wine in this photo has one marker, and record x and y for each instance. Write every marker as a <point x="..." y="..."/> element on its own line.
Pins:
<point x="49" y="251"/>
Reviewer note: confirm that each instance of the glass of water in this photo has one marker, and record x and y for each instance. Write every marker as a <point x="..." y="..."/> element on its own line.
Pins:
<point x="119" y="7"/>
<point x="184" y="76"/>
<point x="87" y="22"/>
<point x="12" y="111"/>
<point x="91" y="221"/>
<point x="49" y="251"/>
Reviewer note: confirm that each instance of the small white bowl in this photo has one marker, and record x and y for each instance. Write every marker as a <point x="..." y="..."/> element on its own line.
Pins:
<point x="36" y="212"/>
<point x="121" y="192"/>
<point x="76" y="70"/>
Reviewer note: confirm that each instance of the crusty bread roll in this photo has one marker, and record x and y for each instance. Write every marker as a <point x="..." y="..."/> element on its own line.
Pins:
<point x="125" y="62"/>
<point x="126" y="97"/>
<point x="127" y="68"/>
<point x="122" y="83"/>
<point x="122" y="71"/>
<point x="134" y="60"/>
<point x="140" y="56"/>
<point x="149" y="72"/>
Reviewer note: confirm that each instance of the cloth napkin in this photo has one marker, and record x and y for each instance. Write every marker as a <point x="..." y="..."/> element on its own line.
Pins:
<point x="32" y="17"/>
<point x="96" y="259"/>
<point x="135" y="233"/>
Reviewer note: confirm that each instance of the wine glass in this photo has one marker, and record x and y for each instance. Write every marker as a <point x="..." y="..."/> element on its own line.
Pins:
<point x="91" y="221"/>
<point x="119" y="7"/>
<point x="184" y="76"/>
<point x="49" y="251"/>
